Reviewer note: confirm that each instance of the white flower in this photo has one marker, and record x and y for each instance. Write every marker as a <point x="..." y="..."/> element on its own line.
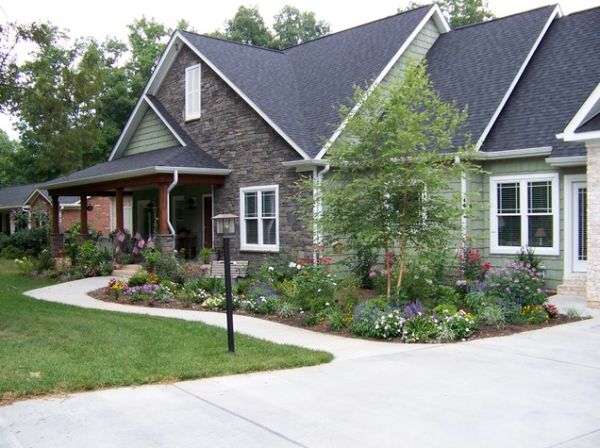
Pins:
<point x="326" y="303"/>
<point x="298" y="266"/>
<point x="319" y="290"/>
<point x="271" y="268"/>
<point x="292" y="264"/>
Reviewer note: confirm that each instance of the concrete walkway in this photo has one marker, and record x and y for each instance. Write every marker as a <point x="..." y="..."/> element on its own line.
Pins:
<point x="536" y="389"/>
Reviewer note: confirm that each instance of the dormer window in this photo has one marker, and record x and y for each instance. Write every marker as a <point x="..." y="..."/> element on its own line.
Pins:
<point x="192" y="92"/>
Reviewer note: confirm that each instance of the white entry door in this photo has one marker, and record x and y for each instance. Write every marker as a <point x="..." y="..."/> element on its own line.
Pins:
<point x="579" y="226"/>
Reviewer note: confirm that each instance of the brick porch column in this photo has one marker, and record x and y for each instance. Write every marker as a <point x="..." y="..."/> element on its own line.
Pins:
<point x="593" y="223"/>
<point x="83" y="216"/>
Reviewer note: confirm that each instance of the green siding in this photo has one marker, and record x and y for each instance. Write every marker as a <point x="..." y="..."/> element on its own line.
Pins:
<point x="415" y="52"/>
<point x="151" y="134"/>
<point x="478" y="188"/>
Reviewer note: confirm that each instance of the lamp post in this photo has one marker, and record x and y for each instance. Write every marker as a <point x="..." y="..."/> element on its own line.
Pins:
<point x="225" y="226"/>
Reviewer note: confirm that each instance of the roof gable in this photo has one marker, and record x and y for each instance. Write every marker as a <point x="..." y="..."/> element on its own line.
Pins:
<point x="150" y="134"/>
<point x="478" y="66"/>
<point x="585" y="125"/>
<point x="16" y="196"/>
<point x="561" y="75"/>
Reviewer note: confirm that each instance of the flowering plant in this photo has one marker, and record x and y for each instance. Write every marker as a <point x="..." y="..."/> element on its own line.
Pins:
<point x="520" y="283"/>
<point x="470" y="267"/>
<point x="389" y="325"/>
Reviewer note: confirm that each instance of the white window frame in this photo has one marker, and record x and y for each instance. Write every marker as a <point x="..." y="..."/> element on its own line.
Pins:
<point x="260" y="247"/>
<point x="523" y="179"/>
<point x="571" y="268"/>
<point x="189" y="114"/>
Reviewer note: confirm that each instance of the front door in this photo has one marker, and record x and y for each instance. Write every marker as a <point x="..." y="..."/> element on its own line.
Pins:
<point x="579" y="227"/>
<point x="207" y="212"/>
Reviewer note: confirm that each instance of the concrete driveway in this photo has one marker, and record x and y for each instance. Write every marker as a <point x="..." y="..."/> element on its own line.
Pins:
<point x="536" y="389"/>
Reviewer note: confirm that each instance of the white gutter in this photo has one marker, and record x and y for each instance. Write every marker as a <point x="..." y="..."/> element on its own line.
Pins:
<point x="566" y="161"/>
<point x="579" y="136"/>
<point x="318" y="207"/>
<point x="304" y="165"/>
<point x="514" y="153"/>
<point x="173" y="184"/>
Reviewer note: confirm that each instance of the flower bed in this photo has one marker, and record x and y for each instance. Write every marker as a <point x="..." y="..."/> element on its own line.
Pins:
<point x="489" y="302"/>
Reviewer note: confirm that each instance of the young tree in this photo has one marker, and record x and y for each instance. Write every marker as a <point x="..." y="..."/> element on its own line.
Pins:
<point x="391" y="173"/>
<point x="458" y="12"/>
<point x="293" y="27"/>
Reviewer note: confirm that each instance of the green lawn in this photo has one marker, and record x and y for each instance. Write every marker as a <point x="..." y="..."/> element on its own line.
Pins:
<point x="53" y="348"/>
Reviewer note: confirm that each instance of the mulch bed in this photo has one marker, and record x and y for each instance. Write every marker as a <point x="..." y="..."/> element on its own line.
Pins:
<point x="485" y="331"/>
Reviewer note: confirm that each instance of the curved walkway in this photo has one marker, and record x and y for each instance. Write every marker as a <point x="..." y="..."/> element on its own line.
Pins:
<point x="538" y="389"/>
<point x="75" y="293"/>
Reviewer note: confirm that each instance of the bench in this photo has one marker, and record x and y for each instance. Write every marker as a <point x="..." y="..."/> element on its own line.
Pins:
<point x="238" y="269"/>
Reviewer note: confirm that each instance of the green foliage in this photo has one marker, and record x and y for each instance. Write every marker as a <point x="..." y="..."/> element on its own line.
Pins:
<point x="445" y="308"/>
<point x="366" y="315"/>
<point x="361" y="264"/>
<point x="393" y="160"/>
<point x="151" y="258"/>
<point x="91" y="259"/>
<point x="140" y="278"/>
<point x="527" y="257"/>
<point x="535" y="314"/>
<point x="465" y="12"/>
<point x="573" y="313"/>
<point x="312" y="288"/>
<point x="291" y="27"/>
<point x="492" y="315"/>
<point x="288" y="309"/>
<point x="420" y="329"/>
<point x="167" y="267"/>
<point x="519" y="283"/>
<point x="204" y="254"/>
<point x="212" y="285"/>
<point x="24" y="242"/>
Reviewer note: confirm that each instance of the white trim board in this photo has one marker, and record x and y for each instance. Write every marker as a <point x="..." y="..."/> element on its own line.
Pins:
<point x="569" y="180"/>
<point x="436" y="13"/>
<point x="589" y="109"/>
<point x="557" y="12"/>
<point x="259" y="247"/>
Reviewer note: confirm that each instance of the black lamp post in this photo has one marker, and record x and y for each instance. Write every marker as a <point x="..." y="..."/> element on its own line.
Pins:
<point x="225" y="226"/>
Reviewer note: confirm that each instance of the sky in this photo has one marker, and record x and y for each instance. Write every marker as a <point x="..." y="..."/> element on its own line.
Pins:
<point x="110" y="17"/>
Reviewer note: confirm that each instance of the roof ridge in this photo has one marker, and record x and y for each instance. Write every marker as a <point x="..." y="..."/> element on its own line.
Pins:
<point x="357" y="26"/>
<point x="552" y="5"/>
<point x="258" y="47"/>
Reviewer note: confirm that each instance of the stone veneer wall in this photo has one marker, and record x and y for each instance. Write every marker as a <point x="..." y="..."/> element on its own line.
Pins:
<point x="233" y="133"/>
<point x="593" y="224"/>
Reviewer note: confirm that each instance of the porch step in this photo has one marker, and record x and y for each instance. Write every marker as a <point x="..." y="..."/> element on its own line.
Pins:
<point x="574" y="286"/>
<point x="126" y="271"/>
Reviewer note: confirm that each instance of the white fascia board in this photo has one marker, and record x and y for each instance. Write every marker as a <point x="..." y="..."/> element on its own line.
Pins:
<point x="584" y="113"/>
<point x="579" y="137"/>
<point x="567" y="161"/>
<point x="141" y="172"/>
<point x="556" y="13"/>
<point x="237" y="90"/>
<point x="166" y="123"/>
<point x="159" y="73"/>
<point x="304" y="165"/>
<point x="443" y="27"/>
<point x="514" y="153"/>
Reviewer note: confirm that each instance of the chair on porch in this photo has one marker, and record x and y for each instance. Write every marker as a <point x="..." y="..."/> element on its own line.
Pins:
<point x="238" y="269"/>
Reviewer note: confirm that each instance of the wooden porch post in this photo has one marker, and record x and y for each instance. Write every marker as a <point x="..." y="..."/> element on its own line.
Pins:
<point x="119" y="207"/>
<point x="163" y="228"/>
<point x="83" y="217"/>
<point x="55" y="216"/>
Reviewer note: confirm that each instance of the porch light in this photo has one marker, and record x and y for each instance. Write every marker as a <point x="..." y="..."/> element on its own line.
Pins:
<point x="225" y="224"/>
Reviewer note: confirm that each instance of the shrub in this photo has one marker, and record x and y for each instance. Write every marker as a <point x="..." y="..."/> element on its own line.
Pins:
<point x="167" y="268"/>
<point x="24" y="265"/>
<point x="365" y="316"/>
<point x="470" y="267"/>
<point x="573" y="313"/>
<point x="492" y="315"/>
<point x="163" y="294"/>
<point x="212" y="285"/>
<point x="520" y="283"/>
<point x="263" y="304"/>
<point x="313" y="288"/>
<point x="91" y="259"/>
<point x="192" y="271"/>
<point x="535" y="314"/>
<point x="361" y="264"/>
<point x="420" y="328"/>
<point x="139" y="278"/>
<point x="552" y="310"/>
<point x="445" y="308"/>
<point x="218" y="301"/>
<point x="388" y="325"/>
<point x="25" y="242"/>
<point x="151" y="258"/>
<point x="288" y="309"/>
<point x="334" y="318"/>
<point x="460" y="323"/>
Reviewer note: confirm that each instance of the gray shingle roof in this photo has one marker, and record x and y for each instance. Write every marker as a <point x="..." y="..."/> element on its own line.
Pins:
<point x="302" y="87"/>
<point x="475" y="65"/>
<point x="15" y="196"/>
<point x="559" y="78"/>
<point x="189" y="156"/>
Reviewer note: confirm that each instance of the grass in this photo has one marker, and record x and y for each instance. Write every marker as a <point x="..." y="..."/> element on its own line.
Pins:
<point x="48" y="348"/>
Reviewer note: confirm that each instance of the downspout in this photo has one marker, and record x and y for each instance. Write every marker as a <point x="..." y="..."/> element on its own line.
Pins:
<point x="318" y="207"/>
<point x="463" y="202"/>
<point x="173" y="185"/>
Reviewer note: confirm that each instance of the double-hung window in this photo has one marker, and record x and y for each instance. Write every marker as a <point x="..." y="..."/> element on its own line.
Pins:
<point x="524" y="212"/>
<point x="192" y="92"/>
<point x="259" y="223"/>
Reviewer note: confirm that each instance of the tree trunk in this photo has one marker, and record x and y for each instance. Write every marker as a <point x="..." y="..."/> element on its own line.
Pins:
<point x="402" y="248"/>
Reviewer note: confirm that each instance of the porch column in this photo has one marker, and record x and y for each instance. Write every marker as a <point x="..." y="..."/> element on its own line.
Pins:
<point x="57" y="241"/>
<point x="593" y="223"/>
<point x="163" y="203"/>
<point x="83" y="217"/>
<point x="55" y="216"/>
<point x="119" y="211"/>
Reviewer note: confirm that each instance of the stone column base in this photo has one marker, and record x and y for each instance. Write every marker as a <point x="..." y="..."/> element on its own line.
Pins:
<point x="593" y="303"/>
<point x="166" y="243"/>
<point x="57" y="245"/>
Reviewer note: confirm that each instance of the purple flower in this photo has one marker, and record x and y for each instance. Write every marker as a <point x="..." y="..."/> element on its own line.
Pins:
<point x="413" y="309"/>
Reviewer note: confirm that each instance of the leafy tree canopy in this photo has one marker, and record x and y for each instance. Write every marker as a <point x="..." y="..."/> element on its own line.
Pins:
<point x="291" y="27"/>
<point x="459" y="12"/>
<point x="392" y="171"/>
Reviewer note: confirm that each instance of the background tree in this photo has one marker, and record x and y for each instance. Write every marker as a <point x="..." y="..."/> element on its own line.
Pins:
<point x="291" y="26"/>
<point x="391" y="174"/>
<point x="459" y="12"/>
<point x="248" y="27"/>
<point x="8" y="174"/>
